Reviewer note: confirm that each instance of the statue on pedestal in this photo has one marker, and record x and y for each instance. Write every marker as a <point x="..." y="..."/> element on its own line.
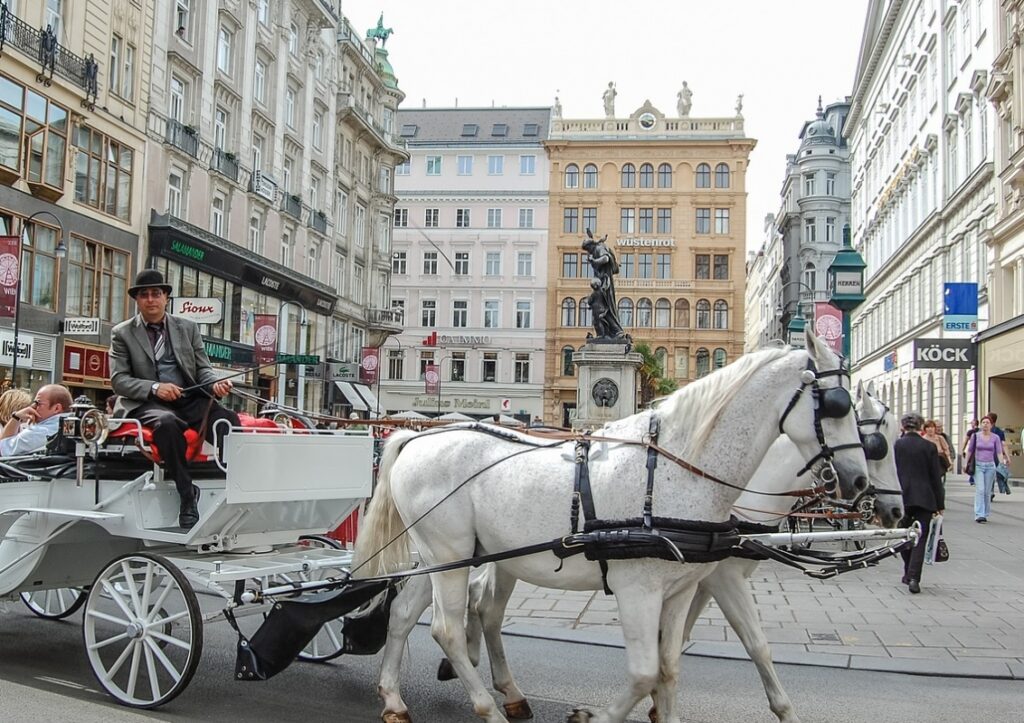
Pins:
<point x="739" y="106"/>
<point x="684" y="101"/>
<point x="609" y="100"/>
<point x="603" y="306"/>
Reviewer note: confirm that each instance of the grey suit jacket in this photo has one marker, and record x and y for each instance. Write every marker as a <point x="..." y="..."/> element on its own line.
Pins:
<point x="133" y="367"/>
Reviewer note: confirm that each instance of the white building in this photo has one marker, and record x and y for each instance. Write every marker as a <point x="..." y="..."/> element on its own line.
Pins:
<point x="923" y="197"/>
<point x="469" y="262"/>
<point x="760" y="324"/>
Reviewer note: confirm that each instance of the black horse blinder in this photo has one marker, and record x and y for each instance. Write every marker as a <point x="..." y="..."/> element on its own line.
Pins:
<point x="876" y="446"/>
<point x="835" y="402"/>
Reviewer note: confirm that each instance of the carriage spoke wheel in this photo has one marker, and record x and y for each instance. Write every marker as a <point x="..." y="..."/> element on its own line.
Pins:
<point x="143" y="630"/>
<point x="55" y="604"/>
<point x="329" y="642"/>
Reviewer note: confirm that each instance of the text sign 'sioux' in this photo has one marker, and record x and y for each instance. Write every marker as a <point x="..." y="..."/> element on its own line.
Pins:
<point x="198" y="309"/>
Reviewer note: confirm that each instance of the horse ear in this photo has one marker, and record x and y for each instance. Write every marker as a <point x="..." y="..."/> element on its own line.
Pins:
<point x="870" y="389"/>
<point x="860" y="391"/>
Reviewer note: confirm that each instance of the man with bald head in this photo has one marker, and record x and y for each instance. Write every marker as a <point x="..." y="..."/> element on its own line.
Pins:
<point x="30" y="427"/>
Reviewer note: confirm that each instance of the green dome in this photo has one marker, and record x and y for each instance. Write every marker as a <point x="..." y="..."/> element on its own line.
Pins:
<point x="387" y="73"/>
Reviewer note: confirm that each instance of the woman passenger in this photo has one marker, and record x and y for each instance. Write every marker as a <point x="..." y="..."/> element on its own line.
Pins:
<point x="11" y="401"/>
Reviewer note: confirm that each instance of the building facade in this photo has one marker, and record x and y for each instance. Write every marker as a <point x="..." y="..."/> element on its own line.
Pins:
<point x="670" y="195"/>
<point x="923" y="201"/>
<point x="470" y="263"/>
<point x="73" y="95"/>
<point x="761" y="324"/>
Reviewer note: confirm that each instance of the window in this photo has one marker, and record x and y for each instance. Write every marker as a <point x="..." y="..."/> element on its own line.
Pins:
<point x="644" y="266"/>
<point x="430" y="216"/>
<point x="722" y="175"/>
<point x="492" y="263"/>
<point x="572" y="176"/>
<point x="662" y="314"/>
<point x="259" y="82"/>
<point x="647" y="176"/>
<point x="703" y="363"/>
<point x="590" y="176"/>
<point x="951" y="58"/>
<point x="627" y="220"/>
<point x="220" y="127"/>
<point x="428" y="313"/>
<point x="524" y="314"/>
<point x="182" y="23"/>
<point x="395" y="363"/>
<point x="97" y="279"/>
<point x="433" y="165"/>
<point x="718" y="359"/>
<point x="526" y="218"/>
<point x="318" y="136"/>
<point x="313" y="260"/>
<point x="809" y="184"/>
<point x="499" y="130"/>
<point x="174" y="188"/>
<point x="460" y="314"/>
<point x="458" y="370"/>
<point x="256" y="233"/>
<point x="401" y="218"/>
<point x="721" y="267"/>
<point x="682" y="314"/>
<point x="703" y="314"/>
<point x="293" y="39"/>
<point x="289" y="107"/>
<point x="721" y="320"/>
<point x="527" y="165"/>
<point x="426" y="360"/>
<point x="465" y="165"/>
<point x="35" y="133"/>
<point x="494" y="218"/>
<point x="524" y="263"/>
<point x="646" y="220"/>
<point x="966" y="122"/>
<point x="103" y="173"/>
<point x="586" y="317"/>
<point x="643" y="313"/>
<point x="568" y="312"/>
<point x="590" y="218"/>
<point x="664" y="220"/>
<point x="398" y="263"/>
<point x="810" y="230"/>
<point x="122" y="67"/>
<point x="568" y="368"/>
<point x="224" y="39"/>
<point x="462" y="263"/>
<point x="522" y="369"/>
<point x="626" y="267"/>
<point x="403" y="169"/>
<point x="263" y="11"/>
<point x="830" y="184"/>
<point x="626" y="312"/>
<point x="491" y="314"/>
<point x="570" y="220"/>
<point x="664" y="176"/>
<point x="495" y="165"/>
<point x="341" y="212"/>
<point x="628" y="176"/>
<point x="721" y="220"/>
<point x="177" y="99"/>
<point x="286" y="174"/>
<point x="257" y="152"/>
<point x="703" y="176"/>
<point x="664" y="266"/>
<point x="430" y="263"/>
<point x="217" y="216"/>
<point x="810" y="276"/>
<point x="702" y="266"/>
<point x="489" y="366"/>
<point x="830" y="229"/>
<point x="703" y="224"/>
<point x="462" y="218"/>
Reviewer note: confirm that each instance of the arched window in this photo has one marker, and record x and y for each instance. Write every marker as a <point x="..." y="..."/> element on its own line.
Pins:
<point x="722" y="175"/>
<point x="647" y="176"/>
<point x="643" y="313"/>
<point x="629" y="176"/>
<point x="703" y="362"/>
<point x="626" y="312"/>
<point x="590" y="176"/>
<point x="662" y="314"/>
<point x="664" y="176"/>
<point x="719" y="358"/>
<point x="721" y="314"/>
<point x="586" y="318"/>
<point x="568" y="312"/>
<point x="703" y="176"/>
<point x="810" y="275"/>
<point x="572" y="176"/>
<point x="682" y="314"/>
<point x="703" y="314"/>
<point x="568" y="368"/>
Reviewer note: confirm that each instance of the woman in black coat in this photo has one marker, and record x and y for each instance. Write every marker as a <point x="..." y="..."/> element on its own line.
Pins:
<point x="920" y="474"/>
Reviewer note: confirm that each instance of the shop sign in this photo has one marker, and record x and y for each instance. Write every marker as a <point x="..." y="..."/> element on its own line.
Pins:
<point x="344" y="371"/>
<point x="85" y="363"/>
<point x="187" y="250"/>
<point x="960" y="307"/>
<point x="641" y="242"/>
<point x="828" y="325"/>
<point x="226" y="353"/>
<point x="370" y="360"/>
<point x="303" y="359"/>
<point x="25" y="344"/>
<point x="200" y="310"/>
<point x="313" y="371"/>
<point x="944" y="354"/>
<point x="265" y="335"/>
<point x="890" y="361"/>
<point x="81" y="326"/>
<point x="471" y="403"/>
<point x="463" y="340"/>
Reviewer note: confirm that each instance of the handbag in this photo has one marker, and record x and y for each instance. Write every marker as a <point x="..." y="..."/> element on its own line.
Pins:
<point x="941" y="551"/>
<point x="969" y="469"/>
<point x="935" y="547"/>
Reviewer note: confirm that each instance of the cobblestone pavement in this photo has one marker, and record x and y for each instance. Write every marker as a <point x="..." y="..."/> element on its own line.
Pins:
<point x="967" y="621"/>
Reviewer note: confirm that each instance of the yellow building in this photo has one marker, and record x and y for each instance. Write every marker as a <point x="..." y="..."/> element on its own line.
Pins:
<point x="670" y="194"/>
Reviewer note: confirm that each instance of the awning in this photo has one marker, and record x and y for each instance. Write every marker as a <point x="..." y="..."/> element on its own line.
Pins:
<point x="368" y="396"/>
<point x="357" y="402"/>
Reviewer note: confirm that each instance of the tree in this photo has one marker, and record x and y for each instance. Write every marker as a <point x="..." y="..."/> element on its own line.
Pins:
<point x="653" y="382"/>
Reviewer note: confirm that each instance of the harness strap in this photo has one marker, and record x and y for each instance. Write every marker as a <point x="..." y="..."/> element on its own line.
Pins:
<point x="583" y="495"/>
<point x="652" y="464"/>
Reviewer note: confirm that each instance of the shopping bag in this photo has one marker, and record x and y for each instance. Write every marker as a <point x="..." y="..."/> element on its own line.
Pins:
<point x="934" y="536"/>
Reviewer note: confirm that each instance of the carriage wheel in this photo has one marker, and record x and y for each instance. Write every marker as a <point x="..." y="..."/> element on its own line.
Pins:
<point x="143" y="631"/>
<point x="55" y="604"/>
<point x="329" y="642"/>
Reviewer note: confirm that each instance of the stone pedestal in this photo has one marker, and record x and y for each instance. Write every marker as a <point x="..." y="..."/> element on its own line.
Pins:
<point x="607" y="375"/>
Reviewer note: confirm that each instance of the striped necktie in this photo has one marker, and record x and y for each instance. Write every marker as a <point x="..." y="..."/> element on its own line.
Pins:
<point x="157" y="331"/>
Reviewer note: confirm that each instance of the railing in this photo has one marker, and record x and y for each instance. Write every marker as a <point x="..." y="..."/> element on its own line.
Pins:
<point x="42" y="45"/>
<point x="681" y="126"/>
<point x="225" y="163"/>
<point x="292" y="205"/>
<point x="183" y="137"/>
<point x="318" y="221"/>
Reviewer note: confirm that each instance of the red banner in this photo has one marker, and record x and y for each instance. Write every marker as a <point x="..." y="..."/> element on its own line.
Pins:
<point x="368" y="365"/>
<point x="828" y="325"/>
<point x="431" y="379"/>
<point x="10" y="272"/>
<point x="265" y="338"/>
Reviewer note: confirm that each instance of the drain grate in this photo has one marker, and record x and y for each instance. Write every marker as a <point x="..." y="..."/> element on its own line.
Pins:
<point x="826" y="637"/>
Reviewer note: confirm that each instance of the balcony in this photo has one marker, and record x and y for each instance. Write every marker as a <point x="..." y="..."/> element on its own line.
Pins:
<point x="42" y="46"/>
<point x="382" y="323"/>
<point x="292" y="205"/>
<point x="318" y="221"/>
<point x="321" y="12"/>
<point x="184" y="138"/>
<point x="225" y="163"/>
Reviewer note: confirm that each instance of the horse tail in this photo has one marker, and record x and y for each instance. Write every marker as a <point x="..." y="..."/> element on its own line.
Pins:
<point x="382" y="546"/>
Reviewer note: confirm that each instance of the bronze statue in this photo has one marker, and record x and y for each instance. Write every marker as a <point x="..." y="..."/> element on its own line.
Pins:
<point x="380" y="32"/>
<point x="603" y="305"/>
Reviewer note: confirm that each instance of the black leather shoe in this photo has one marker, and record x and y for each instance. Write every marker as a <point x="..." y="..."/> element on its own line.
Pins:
<point x="914" y="586"/>
<point x="188" y="516"/>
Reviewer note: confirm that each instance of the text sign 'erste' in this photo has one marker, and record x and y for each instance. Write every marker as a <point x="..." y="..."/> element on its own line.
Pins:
<point x="199" y="310"/>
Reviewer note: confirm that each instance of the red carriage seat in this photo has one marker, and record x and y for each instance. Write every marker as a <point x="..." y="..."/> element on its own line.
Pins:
<point x="193" y="442"/>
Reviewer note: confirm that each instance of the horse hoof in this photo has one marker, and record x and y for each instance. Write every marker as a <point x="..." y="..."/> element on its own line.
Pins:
<point x="652" y="714"/>
<point x="579" y="715"/>
<point x="519" y="710"/>
<point x="392" y="717"/>
<point x="445" y="671"/>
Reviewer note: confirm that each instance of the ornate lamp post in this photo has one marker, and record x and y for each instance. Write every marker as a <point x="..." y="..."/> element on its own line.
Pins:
<point x="846" y="284"/>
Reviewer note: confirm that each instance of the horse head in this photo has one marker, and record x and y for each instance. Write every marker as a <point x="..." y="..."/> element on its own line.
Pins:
<point x="879" y="430"/>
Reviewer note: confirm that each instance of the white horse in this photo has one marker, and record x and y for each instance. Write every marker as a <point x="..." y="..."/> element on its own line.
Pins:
<point x="466" y="492"/>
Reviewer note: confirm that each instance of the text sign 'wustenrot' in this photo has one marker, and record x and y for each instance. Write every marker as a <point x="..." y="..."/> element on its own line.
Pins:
<point x="199" y="310"/>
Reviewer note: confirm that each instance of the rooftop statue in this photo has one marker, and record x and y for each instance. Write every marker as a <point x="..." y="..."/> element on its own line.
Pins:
<point x="380" y="32"/>
<point x="684" y="101"/>
<point x="609" y="100"/>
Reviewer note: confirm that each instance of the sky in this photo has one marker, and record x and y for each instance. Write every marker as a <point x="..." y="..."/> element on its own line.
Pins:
<point x="780" y="54"/>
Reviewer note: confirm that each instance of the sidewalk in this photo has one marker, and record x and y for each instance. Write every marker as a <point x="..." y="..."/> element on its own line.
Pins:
<point x="968" y="620"/>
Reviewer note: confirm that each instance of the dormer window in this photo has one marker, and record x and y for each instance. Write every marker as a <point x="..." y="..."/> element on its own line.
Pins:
<point x="469" y="130"/>
<point x="499" y="130"/>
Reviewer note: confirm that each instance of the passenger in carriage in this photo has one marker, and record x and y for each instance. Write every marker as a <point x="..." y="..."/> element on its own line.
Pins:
<point x="11" y="401"/>
<point x="29" y="427"/>
<point x="163" y="378"/>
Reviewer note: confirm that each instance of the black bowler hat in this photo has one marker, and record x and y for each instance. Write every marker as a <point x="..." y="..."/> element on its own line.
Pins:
<point x="147" y="279"/>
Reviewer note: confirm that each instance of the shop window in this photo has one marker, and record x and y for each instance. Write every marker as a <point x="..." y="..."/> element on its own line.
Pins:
<point x="97" y="280"/>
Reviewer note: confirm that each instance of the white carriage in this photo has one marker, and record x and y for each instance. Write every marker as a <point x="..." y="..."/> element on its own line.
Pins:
<point x="98" y="528"/>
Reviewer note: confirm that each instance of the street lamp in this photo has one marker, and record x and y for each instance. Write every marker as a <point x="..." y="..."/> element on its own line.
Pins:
<point x="300" y="396"/>
<point x="846" y="284"/>
<point x="61" y="252"/>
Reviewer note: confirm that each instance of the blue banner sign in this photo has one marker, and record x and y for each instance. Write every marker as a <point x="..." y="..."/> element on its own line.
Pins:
<point x="960" y="307"/>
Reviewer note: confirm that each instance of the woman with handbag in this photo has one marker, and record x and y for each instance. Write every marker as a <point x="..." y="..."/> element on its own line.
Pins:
<point x="984" y="450"/>
<point x="931" y="433"/>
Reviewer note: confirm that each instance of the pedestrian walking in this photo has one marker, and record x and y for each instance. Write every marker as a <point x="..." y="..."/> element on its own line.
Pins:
<point x="945" y="453"/>
<point x="920" y="474"/>
<point x="984" y="450"/>
<point x="963" y="452"/>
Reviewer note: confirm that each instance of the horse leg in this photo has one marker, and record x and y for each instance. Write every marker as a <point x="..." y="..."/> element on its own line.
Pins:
<point x="700" y="601"/>
<point x="449" y="630"/>
<point x="670" y="648"/>
<point x="732" y="593"/>
<point x="477" y="590"/>
<point x="493" y="594"/>
<point x="406" y="609"/>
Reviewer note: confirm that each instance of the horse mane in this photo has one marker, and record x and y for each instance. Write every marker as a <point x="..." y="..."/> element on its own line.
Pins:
<point x="703" y="400"/>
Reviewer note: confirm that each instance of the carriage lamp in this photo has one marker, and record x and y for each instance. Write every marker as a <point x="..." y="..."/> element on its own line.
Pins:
<point x="846" y="284"/>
